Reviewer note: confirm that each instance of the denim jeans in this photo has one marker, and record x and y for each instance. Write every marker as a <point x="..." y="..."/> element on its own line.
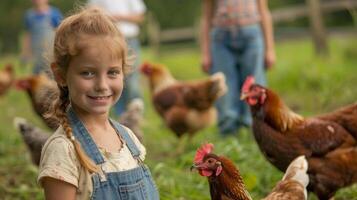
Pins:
<point x="237" y="52"/>
<point x="131" y="85"/>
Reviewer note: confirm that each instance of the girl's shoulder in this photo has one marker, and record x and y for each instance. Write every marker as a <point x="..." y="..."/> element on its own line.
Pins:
<point x="58" y="137"/>
<point x="59" y="159"/>
<point x="60" y="146"/>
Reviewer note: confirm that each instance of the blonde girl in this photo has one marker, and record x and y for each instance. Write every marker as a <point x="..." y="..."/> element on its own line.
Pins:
<point x="91" y="156"/>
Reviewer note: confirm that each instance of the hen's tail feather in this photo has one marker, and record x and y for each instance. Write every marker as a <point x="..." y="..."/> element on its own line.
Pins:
<point x="220" y="80"/>
<point x="33" y="137"/>
<point x="297" y="171"/>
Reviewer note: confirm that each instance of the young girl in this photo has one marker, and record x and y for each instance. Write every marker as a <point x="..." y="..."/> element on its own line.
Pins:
<point x="91" y="156"/>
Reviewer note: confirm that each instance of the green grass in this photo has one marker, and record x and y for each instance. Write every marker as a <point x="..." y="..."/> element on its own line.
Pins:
<point x="308" y="84"/>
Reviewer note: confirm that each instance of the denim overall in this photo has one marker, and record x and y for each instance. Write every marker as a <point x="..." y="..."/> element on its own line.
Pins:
<point x="132" y="184"/>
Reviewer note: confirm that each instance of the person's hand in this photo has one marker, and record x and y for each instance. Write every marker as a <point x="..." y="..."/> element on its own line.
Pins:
<point x="270" y="59"/>
<point x="206" y="63"/>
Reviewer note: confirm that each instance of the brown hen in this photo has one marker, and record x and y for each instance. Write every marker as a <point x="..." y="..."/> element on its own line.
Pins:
<point x="226" y="183"/>
<point x="7" y="76"/>
<point x="186" y="107"/>
<point x="42" y="91"/>
<point x="328" y="141"/>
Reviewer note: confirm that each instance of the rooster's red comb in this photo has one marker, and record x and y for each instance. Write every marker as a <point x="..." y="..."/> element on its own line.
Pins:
<point x="249" y="81"/>
<point x="202" y="151"/>
<point x="145" y="64"/>
<point x="145" y="67"/>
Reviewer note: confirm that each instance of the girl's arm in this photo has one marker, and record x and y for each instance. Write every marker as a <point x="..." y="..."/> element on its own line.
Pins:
<point x="207" y="12"/>
<point x="267" y="26"/>
<point x="57" y="190"/>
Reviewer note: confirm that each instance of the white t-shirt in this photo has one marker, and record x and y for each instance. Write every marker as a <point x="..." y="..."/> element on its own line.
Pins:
<point x="122" y="7"/>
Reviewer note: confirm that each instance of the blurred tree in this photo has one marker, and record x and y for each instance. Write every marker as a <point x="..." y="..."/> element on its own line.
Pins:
<point x="174" y="13"/>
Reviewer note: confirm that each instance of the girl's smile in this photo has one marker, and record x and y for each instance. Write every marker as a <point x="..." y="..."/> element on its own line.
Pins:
<point x="100" y="100"/>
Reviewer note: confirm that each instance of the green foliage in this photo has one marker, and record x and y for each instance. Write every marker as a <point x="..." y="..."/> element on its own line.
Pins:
<point x="282" y="3"/>
<point x="174" y="13"/>
<point x="309" y="85"/>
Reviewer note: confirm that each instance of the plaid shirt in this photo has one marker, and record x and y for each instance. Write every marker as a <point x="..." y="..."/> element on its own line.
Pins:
<point x="235" y="12"/>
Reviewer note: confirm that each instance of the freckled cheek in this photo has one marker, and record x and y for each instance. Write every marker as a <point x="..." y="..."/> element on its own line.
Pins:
<point x="118" y="87"/>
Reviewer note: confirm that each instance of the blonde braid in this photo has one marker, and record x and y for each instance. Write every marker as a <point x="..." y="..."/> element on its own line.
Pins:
<point x="60" y="111"/>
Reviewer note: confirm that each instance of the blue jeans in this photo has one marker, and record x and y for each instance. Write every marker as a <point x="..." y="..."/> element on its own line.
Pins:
<point x="131" y="84"/>
<point x="237" y="52"/>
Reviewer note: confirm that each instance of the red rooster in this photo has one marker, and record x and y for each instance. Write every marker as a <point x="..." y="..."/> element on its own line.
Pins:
<point x="226" y="183"/>
<point x="328" y="141"/>
<point x="7" y="76"/>
<point x="186" y="107"/>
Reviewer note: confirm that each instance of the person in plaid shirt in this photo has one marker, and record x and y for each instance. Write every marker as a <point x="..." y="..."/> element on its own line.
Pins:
<point x="237" y="39"/>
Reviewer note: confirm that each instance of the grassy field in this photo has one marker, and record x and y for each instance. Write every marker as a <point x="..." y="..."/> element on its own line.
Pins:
<point x="308" y="84"/>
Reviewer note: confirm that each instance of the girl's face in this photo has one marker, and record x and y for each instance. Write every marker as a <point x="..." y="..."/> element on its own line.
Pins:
<point x="95" y="77"/>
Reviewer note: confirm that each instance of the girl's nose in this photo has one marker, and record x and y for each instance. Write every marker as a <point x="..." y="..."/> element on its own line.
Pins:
<point x="101" y="84"/>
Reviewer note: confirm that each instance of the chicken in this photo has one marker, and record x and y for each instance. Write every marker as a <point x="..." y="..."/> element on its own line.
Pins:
<point x="186" y="107"/>
<point x="33" y="137"/>
<point x="327" y="141"/>
<point x="226" y="183"/>
<point x="7" y="76"/>
<point x="133" y="117"/>
<point x="42" y="92"/>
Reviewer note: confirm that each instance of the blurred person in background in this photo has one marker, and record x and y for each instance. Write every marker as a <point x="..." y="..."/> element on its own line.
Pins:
<point x="237" y="39"/>
<point x="40" y="23"/>
<point x="128" y="15"/>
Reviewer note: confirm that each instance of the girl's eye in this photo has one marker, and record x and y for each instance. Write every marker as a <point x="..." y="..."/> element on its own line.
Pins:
<point x="87" y="74"/>
<point x="113" y="73"/>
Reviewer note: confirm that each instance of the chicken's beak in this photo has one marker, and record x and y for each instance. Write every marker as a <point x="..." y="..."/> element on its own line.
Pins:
<point x="194" y="166"/>
<point x="243" y="96"/>
<point x="197" y="166"/>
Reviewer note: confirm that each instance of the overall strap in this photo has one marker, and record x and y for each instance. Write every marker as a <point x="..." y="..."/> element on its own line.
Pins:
<point x="81" y="134"/>
<point x="135" y="152"/>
